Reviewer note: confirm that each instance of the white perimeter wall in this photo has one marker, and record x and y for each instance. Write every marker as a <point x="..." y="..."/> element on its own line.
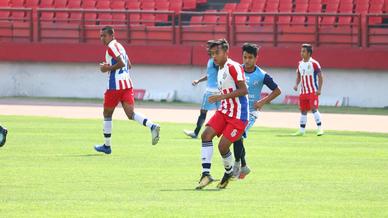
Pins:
<point x="364" y="88"/>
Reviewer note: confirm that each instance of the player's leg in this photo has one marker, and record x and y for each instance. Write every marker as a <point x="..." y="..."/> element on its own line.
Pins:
<point x="111" y="99"/>
<point x="3" y="135"/>
<point x="232" y="132"/>
<point x="128" y="103"/>
<point x="142" y="120"/>
<point x="317" y="115"/>
<point x="206" y="156"/>
<point x="200" y="121"/>
<point x="304" y="106"/>
<point x="214" y="128"/>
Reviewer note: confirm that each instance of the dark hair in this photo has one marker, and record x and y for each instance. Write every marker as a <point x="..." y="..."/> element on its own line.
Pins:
<point x="108" y="29"/>
<point x="308" y="47"/>
<point x="250" y="48"/>
<point x="219" y="43"/>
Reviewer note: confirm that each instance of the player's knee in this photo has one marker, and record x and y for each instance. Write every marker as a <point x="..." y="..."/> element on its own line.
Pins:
<point x="304" y="112"/>
<point x="206" y="136"/>
<point x="223" y="149"/>
<point x="107" y="114"/>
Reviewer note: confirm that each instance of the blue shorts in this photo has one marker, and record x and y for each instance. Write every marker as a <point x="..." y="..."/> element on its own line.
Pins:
<point x="205" y="102"/>
<point x="252" y="119"/>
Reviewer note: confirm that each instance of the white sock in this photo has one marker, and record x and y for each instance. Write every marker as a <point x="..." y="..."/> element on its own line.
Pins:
<point x="142" y="120"/>
<point x="107" y="130"/>
<point x="303" y="122"/>
<point x="206" y="156"/>
<point x="317" y="117"/>
<point x="228" y="162"/>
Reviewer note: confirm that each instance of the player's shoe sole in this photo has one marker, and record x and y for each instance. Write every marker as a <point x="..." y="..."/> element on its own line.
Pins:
<point x="320" y="133"/>
<point x="103" y="149"/>
<point x="3" y="136"/>
<point x="298" y="134"/>
<point x="155" y="132"/>
<point x="244" y="172"/>
<point x="190" y="133"/>
<point x="225" y="180"/>
<point x="205" y="180"/>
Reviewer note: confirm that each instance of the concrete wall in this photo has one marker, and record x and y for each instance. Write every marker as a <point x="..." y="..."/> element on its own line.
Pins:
<point x="367" y="89"/>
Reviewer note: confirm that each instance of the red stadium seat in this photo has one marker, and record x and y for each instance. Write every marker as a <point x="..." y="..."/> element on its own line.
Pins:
<point x="376" y="8"/>
<point x="176" y="6"/>
<point x="148" y="19"/>
<point x="210" y="19"/>
<point x="189" y="4"/>
<point x="346" y="8"/>
<point x="332" y="7"/>
<point x="15" y="4"/>
<point x="230" y="7"/>
<point x="298" y="20"/>
<point x="162" y="6"/>
<point x="315" y="8"/>
<point x="134" y="18"/>
<point x="196" y="20"/>
<point x="103" y="4"/>
<point x="301" y="8"/>
<point x="60" y="3"/>
<point x="74" y="4"/>
<point x="46" y="3"/>
<point x="105" y="18"/>
<point x="32" y="3"/>
<point x="258" y="6"/>
<point x="89" y="4"/>
<point x="133" y="5"/>
<point x="254" y="20"/>
<point x="301" y="2"/>
<point x="244" y="7"/>
<point x="148" y="6"/>
<point x="90" y="18"/>
<point x="119" y="18"/>
<point x="117" y="5"/>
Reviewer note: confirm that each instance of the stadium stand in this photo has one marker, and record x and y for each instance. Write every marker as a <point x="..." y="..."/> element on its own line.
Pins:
<point x="350" y="23"/>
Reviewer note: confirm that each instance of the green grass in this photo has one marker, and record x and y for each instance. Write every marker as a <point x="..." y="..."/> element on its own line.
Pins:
<point x="49" y="169"/>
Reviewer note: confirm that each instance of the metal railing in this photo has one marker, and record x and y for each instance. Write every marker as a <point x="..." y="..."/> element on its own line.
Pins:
<point x="19" y="26"/>
<point x="285" y="28"/>
<point x="84" y="25"/>
<point x="376" y="32"/>
<point x="167" y="28"/>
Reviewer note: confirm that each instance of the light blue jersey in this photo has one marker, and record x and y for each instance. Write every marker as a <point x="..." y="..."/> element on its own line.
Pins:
<point x="212" y="86"/>
<point x="212" y="71"/>
<point x="255" y="82"/>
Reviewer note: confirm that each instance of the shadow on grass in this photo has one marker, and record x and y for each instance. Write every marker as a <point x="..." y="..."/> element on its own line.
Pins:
<point x="83" y="155"/>
<point x="191" y="190"/>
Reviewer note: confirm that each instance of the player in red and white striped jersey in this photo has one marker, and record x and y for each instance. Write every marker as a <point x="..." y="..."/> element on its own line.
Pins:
<point x="309" y="75"/>
<point x="119" y="89"/>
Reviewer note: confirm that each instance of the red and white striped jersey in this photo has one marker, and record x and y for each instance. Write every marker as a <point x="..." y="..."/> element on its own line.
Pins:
<point x="308" y="72"/>
<point x="118" y="79"/>
<point x="228" y="78"/>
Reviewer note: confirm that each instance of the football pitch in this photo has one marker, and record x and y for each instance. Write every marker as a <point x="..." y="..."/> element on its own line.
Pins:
<point x="48" y="168"/>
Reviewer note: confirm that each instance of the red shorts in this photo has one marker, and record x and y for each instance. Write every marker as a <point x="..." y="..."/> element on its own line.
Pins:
<point x="229" y="127"/>
<point x="308" y="102"/>
<point x="113" y="97"/>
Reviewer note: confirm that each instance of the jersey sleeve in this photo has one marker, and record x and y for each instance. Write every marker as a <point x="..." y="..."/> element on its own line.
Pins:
<point x="268" y="81"/>
<point x="113" y="51"/>
<point x="317" y="67"/>
<point x="237" y="73"/>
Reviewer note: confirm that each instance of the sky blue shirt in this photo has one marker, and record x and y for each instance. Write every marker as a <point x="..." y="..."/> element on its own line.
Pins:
<point x="212" y="71"/>
<point x="255" y="81"/>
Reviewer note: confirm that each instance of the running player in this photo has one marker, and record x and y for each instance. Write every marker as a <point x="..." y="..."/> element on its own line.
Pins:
<point x="256" y="79"/>
<point x="231" y="118"/>
<point x="119" y="90"/>
<point x="211" y="89"/>
<point x="3" y="136"/>
<point x="310" y="75"/>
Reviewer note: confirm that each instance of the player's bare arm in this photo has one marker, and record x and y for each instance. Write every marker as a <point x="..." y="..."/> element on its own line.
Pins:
<point x="240" y="91"/>
<point x="107" y="68"/>
<point x="196" y="82"/>
<point x="275" y="93"/>
<point x="297" y="80"/>
<point x="320" y="83"/>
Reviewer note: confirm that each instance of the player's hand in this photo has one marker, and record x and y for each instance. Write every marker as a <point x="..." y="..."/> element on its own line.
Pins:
<point x="296" y="88"/>
<point x="104" y="67"/>
<point x="195" y="82"/>
<point x="215" y="98"/>
<point x="318" y="92"/>
<point x="259" y="105"/>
